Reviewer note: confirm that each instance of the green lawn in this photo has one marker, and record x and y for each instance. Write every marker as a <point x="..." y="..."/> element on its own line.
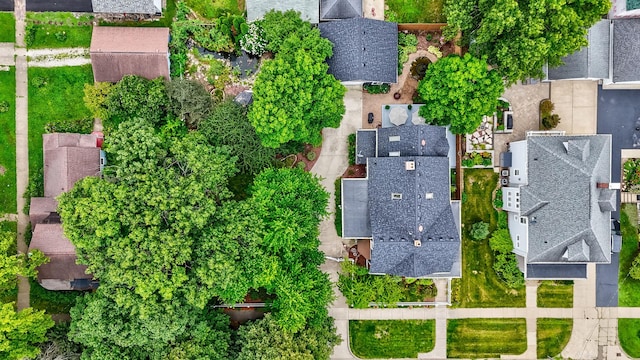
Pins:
<point x="7" y="27"/>
<point x="60" y="98"/>
<point x="8" y="142"/>
<point x="210" y="9"/>
<point x="479" y="285"/>
<point x="553" y="335"/>
<point x="57" y="30"/>
<point x="555" y="294"/>
<point x="628" y="288"/>
<point x="485" y="338"/>
<point x="415" y="11"/>
<point x="391" y="338"/>
<point x="629" y="335"/>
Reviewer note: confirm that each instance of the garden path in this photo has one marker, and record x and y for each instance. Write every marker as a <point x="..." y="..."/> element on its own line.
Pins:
<point x="58" y="57"/>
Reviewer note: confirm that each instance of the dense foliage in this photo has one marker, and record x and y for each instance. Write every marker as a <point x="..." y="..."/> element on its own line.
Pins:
<point x="505" y="262"/>
<point x="520" y="37"/>
<point x="459" y="91"/>
<point x="479" y="230"/>
<point x="631" y="175"/>
<point x="294" y="97"/>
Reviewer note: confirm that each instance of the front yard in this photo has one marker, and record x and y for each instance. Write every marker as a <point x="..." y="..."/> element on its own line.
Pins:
<point x="7" y="27"/>
<point x="485" y="338"/>
<point x="555" y="294"/>
<point x="480" y="285"/>
<point x="629" y="335"/>
<point x="628" y="288"/>
<point x="55" y="95"/>
<point x="58" y="30"/>
<point x="553" y="335"/>
<point x="8" y="141"/>
<point x="391" y="338"/>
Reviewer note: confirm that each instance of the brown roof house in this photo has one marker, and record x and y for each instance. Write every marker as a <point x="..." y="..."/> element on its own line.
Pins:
<point x="67" y="159"/>
<point x="119" y="51"/>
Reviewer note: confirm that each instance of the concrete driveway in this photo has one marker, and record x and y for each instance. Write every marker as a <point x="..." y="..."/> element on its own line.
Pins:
<point x="576" y="103"/>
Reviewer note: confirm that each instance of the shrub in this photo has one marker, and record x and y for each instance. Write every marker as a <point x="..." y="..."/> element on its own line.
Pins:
<point x="4" y="106"/>
<point x="546" y="107"/>
<point x="79" y="126"/>
<point x="502" y="220"/>
<point x="409" y="106"/>
<point x="435" y="51"/>
<point x="487" y="161"/>
<point x="429" y="36"/>
<point x="497" y="201"/>
<point x="467" y="162"/>
<point x="253" y="41"/>
<point x="634" y="272"/>
<point x="506" y="267"/>
<point x="376" y="89"/>
<point x="387" y="107"/>
<point x="301" y="165"/>
<point x="480" y="230"/>
<point x="419" y="67"/>
<point x="351" y="148"/>
<point x="61" y="36"/>
<point x="464" y="197"/>
<point x="311" y="156"/>
<point x="551" y="121"/>
<point x="38" y="81"/>
<point x="337" y="219"/>
<point x="500" y="241"/>
<point x="407" y="39"/>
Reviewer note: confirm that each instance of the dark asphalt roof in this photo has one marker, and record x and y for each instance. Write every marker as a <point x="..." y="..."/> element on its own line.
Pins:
<point x="6" y="5"/>
<point x="591" y="61"/>
<point x="567" y="217"/>
<point x="556" y="271"/>
<point x="66" y="5"/>
<point x="355" y="209"/>
<point x="365" y="145"/>
<point x="626" y="52"/>
<point x="363" y="49"/>
<point x="340" y="9"/>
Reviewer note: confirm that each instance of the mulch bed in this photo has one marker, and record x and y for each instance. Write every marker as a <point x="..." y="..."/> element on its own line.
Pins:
<point x="355" y="171"/>
<point x="302" y="156"/>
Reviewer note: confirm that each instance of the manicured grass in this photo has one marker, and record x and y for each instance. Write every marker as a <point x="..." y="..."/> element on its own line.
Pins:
<point x="485" y="338"/>
<point x="210" y="9"/>
<point x="59" y="98"/>
<point x="480" y="285"/>
<point x="555" y="294"/>
<point x="57" y="30"/>
<point x="629" y="336"/>
<point x="415" y="11"/>
<point x="8" y="142"/>
<point x="391" y="338"/>
<point x="7" y="27"/>
<point x="628" y="288"/>
<point x="553" y="335"/>
<point x="54" y="302"/>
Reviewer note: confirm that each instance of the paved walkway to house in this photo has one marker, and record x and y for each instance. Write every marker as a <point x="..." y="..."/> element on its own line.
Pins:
<point x="22" y="141"/>
<point x="576" y="102"/>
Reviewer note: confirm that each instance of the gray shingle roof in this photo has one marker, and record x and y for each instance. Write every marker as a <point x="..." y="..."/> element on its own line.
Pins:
<point x="591" y="61"/>
<point x="365" y="145"/>
<point x="363" y="49"/>
<point x="340" y="9"/>
<point x="127" y="6"/>
<point x="309" y="9"/>
<point x="565" y="213"/>
<point x="414" y="141"/>
<point x="355" y="209"/>
<point x="626" y="50"/>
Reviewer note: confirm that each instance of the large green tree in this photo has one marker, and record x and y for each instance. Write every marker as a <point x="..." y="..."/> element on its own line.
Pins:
<point x="22" y="331"/>
<point x="294" y="97"/>
<point x="519" y="37"/>
<point x="458" y="91"/>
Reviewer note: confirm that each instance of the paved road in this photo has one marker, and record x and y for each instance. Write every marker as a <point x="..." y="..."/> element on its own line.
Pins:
<point x="60" y="5"/>
<point x="6" y="5"/>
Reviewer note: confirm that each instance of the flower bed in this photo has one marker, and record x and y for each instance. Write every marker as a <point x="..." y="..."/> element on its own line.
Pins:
<point x="478" y="159"/>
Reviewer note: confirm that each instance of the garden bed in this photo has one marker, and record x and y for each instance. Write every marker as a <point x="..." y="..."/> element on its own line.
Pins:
<point x="308" y="157"/>
<point x="478" y="159"/>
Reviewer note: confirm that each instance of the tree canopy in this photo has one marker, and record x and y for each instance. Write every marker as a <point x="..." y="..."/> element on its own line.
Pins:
<point x="294" y="97"/>
<point x="458" y="91"/>
<point x="520" y="37"/>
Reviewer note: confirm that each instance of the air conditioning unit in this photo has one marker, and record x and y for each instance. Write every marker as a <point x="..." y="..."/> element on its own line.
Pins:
<point x="409" y="165"/>
<point x="504" y="181"/>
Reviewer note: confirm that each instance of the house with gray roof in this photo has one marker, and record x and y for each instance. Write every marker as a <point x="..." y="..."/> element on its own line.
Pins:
<point x="340" y="9"/>
<point x="149" y="7"/>
<point x="364" y="50"/>
<point x="403" y="208"/>
<point x="309" y="9"/>
<point x="559" y="202"/>
<point x="611" y="56"/>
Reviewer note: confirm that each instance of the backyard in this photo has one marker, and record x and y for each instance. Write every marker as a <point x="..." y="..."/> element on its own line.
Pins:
<point x="485" y="338"/>
<point x="553" y="335"/>
<point x="480" y="285"/>
<point x="555" y="294"/>
<point x="210" y="9"/>
<point x="55" y="96"/>
<point x="414" y="11"/>
<point x="7" y="27"/>
<point x="628" y="288"/>
<point x="391" y="338"/>
<point x="57" y="30"/>
<point x="8" y="141"/>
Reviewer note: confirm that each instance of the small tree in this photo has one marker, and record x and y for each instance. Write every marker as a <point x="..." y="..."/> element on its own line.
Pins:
<point x="634" y="272"/>
<point x="500" y="241"/>
<point x="480" y="230"/>
<point x="551" y="121"/>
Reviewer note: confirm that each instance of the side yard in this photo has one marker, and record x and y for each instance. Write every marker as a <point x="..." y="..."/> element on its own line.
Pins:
<point x="55" y="97"/>
<point x="8" y="141"/>
<point x="480" y="285"/>
<point x="58" y="30"/>
<point x="391" y="338"/>
<point x="629" y="288"/>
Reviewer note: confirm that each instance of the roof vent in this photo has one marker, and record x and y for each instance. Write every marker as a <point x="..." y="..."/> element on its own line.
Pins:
<point x="394" y="138"/>
<point x="429" y="196"/>
<point x="420" y="228"/>
<point x="417" y="243"/>
<point x="394" y="153"/>
<point x="396" y="196"/>
<point x="423" y="142"/>
<point x="409" y="165"/>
